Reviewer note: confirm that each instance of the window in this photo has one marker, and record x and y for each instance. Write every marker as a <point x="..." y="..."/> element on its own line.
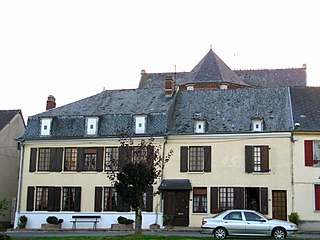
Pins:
<point x="90" y="159"/>
<point x="68" y="199"/>
<point x="92" y="125"/>
<point x="46" y="126"/>
<point x="199" y="200"/>
<point x="42" y="199"/>
<point x="140" y="123"/>
<point x="110" y="199"/>
<point x="257" y="124"/>
<point x="44" y="159"/>
<point x="312" y="152"/>
<point x="70" y="159"/>
<point x="195" y="159"/>
<point x="199" y="127"/>
<point x="257" y="159"/>
<point x="112" y="158"/>
<point x="139" y="154"/>
<point x="317" y="197"/>
<point x="226" y="198"/>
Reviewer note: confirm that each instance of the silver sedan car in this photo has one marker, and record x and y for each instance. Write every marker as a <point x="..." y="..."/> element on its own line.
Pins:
<point x="246" y="223"/>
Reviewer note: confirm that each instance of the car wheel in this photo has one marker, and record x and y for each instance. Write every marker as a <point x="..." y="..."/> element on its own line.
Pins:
<point x="220" y="233"/>
<point x="279" y="233"/>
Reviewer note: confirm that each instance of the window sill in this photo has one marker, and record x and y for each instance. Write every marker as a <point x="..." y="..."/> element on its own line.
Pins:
<point x="198" y="213"/>
<point x="261" y="173"/>
<point x="196" y="172"/>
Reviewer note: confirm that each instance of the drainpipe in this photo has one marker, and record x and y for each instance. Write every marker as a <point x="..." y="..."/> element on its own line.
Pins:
<point x="20" y="185"/>
<point x="162" y="170"/>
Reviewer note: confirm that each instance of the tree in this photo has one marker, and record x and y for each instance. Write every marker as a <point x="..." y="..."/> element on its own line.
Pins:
<point x="139" y="167"/>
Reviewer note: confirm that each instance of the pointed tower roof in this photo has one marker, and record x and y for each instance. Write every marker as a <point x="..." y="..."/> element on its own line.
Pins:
<point x="212" y="69"/>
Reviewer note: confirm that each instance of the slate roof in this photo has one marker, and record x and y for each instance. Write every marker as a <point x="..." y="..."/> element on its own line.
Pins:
<point x="115" y="109"/>
<point x="6" y="116"/>
<point x="230" y="111"/>
<point x="306" y="108"/>
<point x="274" y="77"/>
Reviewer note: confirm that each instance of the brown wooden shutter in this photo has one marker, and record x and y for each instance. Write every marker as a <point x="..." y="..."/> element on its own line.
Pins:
<point x="183" y="159"/>
<point x="308" y="153"/>
<point x="121" y="205"/>
<point x="317" y="197"/>
<point x="30" y="199"/>
<point x="150" y="155"/>
<point x="125" y="154"/>
<point x="149" y="199"/>
<point x="33" y="160"/>
<point x="214" y="200"/>
<point x="249" y="159"/>
<point x="264" y="200"/>
<point x="265" y="159"/>
<point x="54" y="198"/>
<point x="80" y="159"/>
<point x="77" y="204"/>
<point x="56" y="159"/>
<point x="99" y="159"/>
<point x="238" y="197"/>
<point x="51" y="199"/>
<point x="207" y="159"/>
<point x="98" y="199"/>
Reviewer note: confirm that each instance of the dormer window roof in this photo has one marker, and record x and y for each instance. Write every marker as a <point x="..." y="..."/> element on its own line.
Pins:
<point x="46" y="126"/>
<point x="92" y="125"/>
<point x="257" y="124"/>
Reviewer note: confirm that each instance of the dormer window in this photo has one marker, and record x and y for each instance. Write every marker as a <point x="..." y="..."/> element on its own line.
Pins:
<point x="140" y="123"/>
<point x="46" y="126"/>
<point x="257" y="124"/>
<point x="190" y="88"/>
<point x="199" y="126"/>
<point x="92" y="125"/>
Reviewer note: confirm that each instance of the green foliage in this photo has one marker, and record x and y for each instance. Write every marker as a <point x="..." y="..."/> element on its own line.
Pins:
<point x="123" y="220"/>
<point x="23" y="219"/>
<point x="167" y="219"/>
<point x="4" y="237"/>
<point x="54" y="220"/>
<point x="4" y="205"/>
<point x="294" y="218"/>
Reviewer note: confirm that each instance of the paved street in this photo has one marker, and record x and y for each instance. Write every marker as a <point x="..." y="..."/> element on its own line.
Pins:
<point x="33" y="234"/>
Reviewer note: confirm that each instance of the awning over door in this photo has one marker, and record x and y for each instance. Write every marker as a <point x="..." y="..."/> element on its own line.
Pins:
<point x="175" y="184"/>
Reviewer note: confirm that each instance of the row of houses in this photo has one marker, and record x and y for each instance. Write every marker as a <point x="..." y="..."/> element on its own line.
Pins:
<point x="241" y="139"/>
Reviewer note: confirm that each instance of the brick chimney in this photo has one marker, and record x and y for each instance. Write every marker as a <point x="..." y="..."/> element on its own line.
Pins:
<point x="51" y="102"/>
<point x="169" y="86"/>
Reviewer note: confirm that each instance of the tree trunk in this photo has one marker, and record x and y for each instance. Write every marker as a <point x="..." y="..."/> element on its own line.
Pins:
<point x="138" y="221"/>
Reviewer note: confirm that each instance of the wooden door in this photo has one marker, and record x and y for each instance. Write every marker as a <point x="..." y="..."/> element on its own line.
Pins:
<point x="176" y="205"/>
<point x="279" y="204"/>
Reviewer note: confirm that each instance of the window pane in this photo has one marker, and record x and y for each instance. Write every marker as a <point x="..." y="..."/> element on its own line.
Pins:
<point x="257" y="159"/>
<point x="112" y="158"/>
<point x="316" y="150"/>
<point x="200" y="200"/>
<point x="110" y="199"/>
<point x="42" y="198"/>
<point x="196" y="159"/>
<point x="68" y="201"/>
<point x="44" y="159"/>
<point x="90" y="160"/>
<point x="70" y="161"/>
<point x="226" y="196"/>
<point x="139" y="154"/>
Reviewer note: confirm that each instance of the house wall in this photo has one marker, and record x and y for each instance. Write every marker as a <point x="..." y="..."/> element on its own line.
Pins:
<point x="86" y="180"/>
<point x="228" y="165"/>
<point x="305" y="179"/>
<point x="9" y="163"/>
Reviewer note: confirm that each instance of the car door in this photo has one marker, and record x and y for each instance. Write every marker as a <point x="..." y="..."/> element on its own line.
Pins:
<point x="256" y="224"/>
<point x="234" y="223"/>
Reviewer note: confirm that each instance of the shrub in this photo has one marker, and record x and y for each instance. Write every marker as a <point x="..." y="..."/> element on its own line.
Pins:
<point x="23" y="219"/>
<point x="54" y="220"/>
<point x="4" y="237"/>
<point x="123" y="220"/>
<point x="294" y="218"/>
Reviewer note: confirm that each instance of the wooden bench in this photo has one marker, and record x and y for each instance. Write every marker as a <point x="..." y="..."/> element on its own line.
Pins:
<point x="85" y="219"/>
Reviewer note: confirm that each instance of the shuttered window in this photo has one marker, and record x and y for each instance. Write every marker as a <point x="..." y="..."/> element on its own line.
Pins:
<point x="312" y="153"/>
<point x="90" y="159"/>
<point x="199" y="200"/>
<point x="317" y="197"/>
<point x="30" y="199"/>
<point x="195" y="159"/>
<point x="256" y="159"/>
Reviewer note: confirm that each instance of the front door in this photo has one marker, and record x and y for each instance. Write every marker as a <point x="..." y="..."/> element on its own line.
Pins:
<point x="279" y="204"/>
<point x="176" y="208"/>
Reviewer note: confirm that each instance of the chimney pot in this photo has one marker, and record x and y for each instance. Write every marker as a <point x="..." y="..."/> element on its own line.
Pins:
<point x="169" y="86"/>
<point x="51" y="102"/>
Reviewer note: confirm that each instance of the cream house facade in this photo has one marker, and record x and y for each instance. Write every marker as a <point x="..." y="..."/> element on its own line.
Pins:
<point x="231" y="133"/>
<point x="11" y="128"/>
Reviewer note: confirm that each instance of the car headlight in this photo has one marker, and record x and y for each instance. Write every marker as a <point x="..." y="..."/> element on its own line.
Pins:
<point x="293" y="226"/>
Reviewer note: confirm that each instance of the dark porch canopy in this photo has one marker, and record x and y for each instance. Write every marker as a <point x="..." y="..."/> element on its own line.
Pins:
<point x="175" y="184"/>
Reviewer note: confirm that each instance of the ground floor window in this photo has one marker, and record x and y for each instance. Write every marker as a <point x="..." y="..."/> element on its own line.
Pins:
<point x="317" y="197"/>
<point x="199" y="200"/>
<point x="41" y="198"/>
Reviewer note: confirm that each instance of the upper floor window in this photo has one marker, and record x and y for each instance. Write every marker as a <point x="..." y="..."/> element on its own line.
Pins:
<point x="195" y="159"/>
<point x="92" y="125"/>
<point x="44" y="159"/>
<point x="112" y="158"/>
<point x="46" y="126"/>
<point x="199" y="126"/>
<point x="312" y="152"/>
<point x="257" y="124"/>
<point x="70" y="159"/>
<point x="257" y="159"/>
<point x="140" y="124"/>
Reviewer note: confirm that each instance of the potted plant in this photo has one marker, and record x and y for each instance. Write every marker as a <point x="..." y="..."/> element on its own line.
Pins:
<point x="168" y="220"/>
<point x="123" y="224"/>
<point x="22" y="221"/>
<point x="52" y="223"/>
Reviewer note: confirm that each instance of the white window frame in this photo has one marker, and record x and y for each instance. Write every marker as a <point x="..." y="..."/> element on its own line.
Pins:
<point x="92" y="125"/>
<point x="199" y="126"/>
<point x="140" y="124"/>
<point x="257" y="125"/>
<point x="46" y="126"/>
